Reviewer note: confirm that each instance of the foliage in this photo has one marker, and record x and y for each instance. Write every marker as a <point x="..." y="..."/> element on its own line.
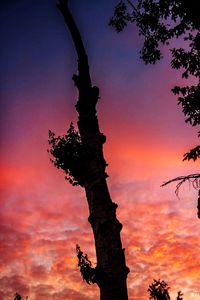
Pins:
<point x="159" y="290"/>
<point x="19" y="297"/>
<point x="179" y="296"/>
<point x="190" y="102"/>
<point x="192" y="154"/>
<point x="85" y="265"/>
<point x="159" y="22"/>
<point x="67" y="151"/>
<point x="121" y="17"/>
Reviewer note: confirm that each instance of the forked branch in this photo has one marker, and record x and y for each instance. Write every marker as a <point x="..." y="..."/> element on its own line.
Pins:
<point x="191" y="178"/>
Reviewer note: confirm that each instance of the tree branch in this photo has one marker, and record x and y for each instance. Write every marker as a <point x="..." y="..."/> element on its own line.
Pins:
<point x="132" y="5"/>
<point x="83" y="66"/>
<point x="192" y="178"/>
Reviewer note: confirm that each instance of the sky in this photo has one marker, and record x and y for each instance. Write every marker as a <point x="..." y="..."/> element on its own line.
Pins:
<point x="42" y="217"/>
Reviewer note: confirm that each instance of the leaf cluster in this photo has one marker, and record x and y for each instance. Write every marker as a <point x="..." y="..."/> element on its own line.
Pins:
<point x="19" y="297"/>
<point x="67" y="152"/>
<point x="192" y="154"/>
<point x="121" y="17"/>
<point x="159" y="290"/>
<point x="190" y="101"/>
<point x="160" y="21"/>
<point x="85" y="265"/>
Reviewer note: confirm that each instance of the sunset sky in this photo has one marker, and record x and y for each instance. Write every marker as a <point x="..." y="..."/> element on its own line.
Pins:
<point x="42" y="217"/>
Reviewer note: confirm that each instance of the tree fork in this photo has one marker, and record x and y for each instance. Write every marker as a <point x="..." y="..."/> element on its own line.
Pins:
<point x="111" y="266"/>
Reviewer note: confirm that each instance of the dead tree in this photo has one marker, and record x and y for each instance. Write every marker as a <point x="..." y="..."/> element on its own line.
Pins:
<point x="86" y="167"/>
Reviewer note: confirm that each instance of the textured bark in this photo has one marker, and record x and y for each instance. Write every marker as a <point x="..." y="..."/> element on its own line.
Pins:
<point x="111" y="270"/>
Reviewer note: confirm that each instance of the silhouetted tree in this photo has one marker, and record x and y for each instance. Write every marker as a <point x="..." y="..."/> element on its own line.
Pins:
<point x="80" y="155"/>
<point x="17" y="297"/>
<point x="159" y="22"/>
<point x="159" y="290"/>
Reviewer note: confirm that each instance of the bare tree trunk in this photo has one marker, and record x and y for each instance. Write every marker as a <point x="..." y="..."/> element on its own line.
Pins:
<point x="111" y="271"/>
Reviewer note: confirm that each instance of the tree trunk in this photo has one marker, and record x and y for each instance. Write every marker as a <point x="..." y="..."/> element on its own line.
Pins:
<point x="111" y="270"/>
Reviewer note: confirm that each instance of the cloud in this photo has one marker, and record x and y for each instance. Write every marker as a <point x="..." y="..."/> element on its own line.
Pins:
<point x="160" y="234"/>
<point x="9" y="285"/>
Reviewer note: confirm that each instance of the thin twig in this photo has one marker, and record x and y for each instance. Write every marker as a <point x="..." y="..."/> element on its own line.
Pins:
<point x="192" y="178"/>
<point x="132" y="5"/>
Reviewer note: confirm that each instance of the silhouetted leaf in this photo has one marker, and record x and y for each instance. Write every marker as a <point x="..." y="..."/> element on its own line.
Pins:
<point x="158" y="22"/>
<point x="85" y="265"/>
<point x="68" y="153"/>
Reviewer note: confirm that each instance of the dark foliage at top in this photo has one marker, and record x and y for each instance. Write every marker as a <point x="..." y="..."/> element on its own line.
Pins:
<point x="160" y="21"/>
<point x="68" y="153"/>
<point x="159" y="290"/>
